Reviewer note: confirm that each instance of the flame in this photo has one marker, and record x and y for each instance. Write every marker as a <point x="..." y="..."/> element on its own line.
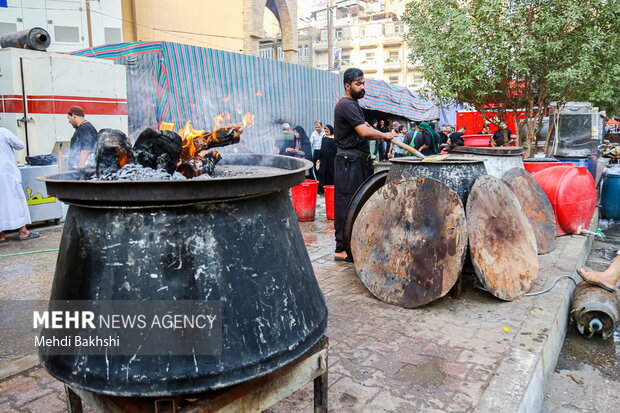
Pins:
<point x="219" y="121"/>
<point x="248" y="120"/>
<point x="122" y="160"/>
<point x="188" y="134"/>
<point x="166" y="126"/>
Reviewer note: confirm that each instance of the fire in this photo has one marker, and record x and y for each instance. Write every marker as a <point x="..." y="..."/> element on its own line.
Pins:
<point x="248" y="120"/>
<point x="166" y="126"/>
<point x="188" y="134"/>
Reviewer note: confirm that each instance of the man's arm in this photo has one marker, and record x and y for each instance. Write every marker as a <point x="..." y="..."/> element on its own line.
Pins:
<point x="368" y="132"/>
<point x="83" y="157"/>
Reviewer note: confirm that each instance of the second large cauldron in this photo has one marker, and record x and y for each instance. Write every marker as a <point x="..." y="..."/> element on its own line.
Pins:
<point x="235" y="240"/>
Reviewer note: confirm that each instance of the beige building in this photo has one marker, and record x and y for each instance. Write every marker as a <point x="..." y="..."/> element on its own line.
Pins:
<point x="369" y="35"/>
<point x="235" y="26"/>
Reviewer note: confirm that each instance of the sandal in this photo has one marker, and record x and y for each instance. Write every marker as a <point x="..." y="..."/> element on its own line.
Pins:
<point x="604" y="287"/>
<point x="344" y="259"/>
<point x="30" y="235"/>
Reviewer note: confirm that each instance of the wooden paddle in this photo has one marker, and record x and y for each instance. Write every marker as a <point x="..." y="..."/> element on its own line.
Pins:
<point x="418" y="153"/>
<point x="408" y="148"/>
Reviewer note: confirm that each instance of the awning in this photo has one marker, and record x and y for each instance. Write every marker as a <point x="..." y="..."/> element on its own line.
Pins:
<point x="398" y="100"/>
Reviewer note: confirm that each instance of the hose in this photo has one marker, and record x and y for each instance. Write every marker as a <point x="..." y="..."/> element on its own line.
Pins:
<point x="29" y="252"/>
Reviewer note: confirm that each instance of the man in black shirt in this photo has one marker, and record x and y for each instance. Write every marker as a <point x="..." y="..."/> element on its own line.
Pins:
<point x="84" y="138"/>
<point x="352" y="164"/>
<point x="456" y="138"/>
<point x="498" y="135"/>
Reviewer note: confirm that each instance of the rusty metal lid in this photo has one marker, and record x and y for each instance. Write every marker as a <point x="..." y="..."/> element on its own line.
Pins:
<point x="493" y="151"/>
<point x="502" y="244"/>
<point x="409" y="241"/>
<point x="536" y="206"/>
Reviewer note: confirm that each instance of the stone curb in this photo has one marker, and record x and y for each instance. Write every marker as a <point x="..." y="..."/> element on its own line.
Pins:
<point x="521" y="378"/>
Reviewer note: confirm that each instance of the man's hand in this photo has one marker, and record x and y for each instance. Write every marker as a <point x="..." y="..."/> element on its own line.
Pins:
<point x="388" y="136"/>
<point x="289" y="150"/>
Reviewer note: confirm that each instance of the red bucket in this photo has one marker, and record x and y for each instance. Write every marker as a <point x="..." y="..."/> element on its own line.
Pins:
<point x="329" y="201"/>
<point x="304" y="199"/>
<point x="477" y="141"/>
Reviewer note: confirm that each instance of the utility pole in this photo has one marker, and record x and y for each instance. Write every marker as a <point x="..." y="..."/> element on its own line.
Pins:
<point x="89" y="24"/>
<point x="330" y="28"/>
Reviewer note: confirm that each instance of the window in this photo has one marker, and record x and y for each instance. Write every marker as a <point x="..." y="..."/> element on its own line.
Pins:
<point x="280" y="53"/>
<point x="370" y="56"/>
<point x="338" y="33"/>
<point x="7" y="28"/>
<point x="299" y="52"/>
<point x="362" y="31"/>
<point x="66" y="34"/>
<point x="112" y="35"/>
<point x="346" y="59"/>
<point x="267" y="53"/>
<point x="306" y="51"/>
<point x="394" y="56"/>
<point x="394" y="80"/>
<point x="399" y="28"/>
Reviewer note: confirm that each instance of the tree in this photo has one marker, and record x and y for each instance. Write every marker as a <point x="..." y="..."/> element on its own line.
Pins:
<point x="507" y="55"/>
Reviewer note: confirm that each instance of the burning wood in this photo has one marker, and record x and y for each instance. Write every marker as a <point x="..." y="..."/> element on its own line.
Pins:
<point x="158" y="150"/>
<point x="199" y="165"/>
<point x="113" y="151"/>
<point x="190" y="152"/>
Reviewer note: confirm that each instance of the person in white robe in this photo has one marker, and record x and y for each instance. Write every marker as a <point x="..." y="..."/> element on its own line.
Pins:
<point x="14" y="212"/>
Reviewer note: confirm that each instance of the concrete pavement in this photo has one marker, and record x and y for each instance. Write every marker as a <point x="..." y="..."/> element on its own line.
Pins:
<point x="475" y="353"/>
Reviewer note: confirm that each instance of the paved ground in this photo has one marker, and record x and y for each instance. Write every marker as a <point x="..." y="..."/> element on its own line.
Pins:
<point x="475" y="353"/>
<point x="587" y="376"/>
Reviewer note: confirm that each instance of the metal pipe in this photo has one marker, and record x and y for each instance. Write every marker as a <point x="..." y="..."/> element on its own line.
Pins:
<point x="34" y="39"/>
<point x="25" y="103"/>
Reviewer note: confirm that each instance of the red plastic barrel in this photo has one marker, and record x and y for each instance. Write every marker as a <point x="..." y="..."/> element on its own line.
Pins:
<point x="304" y="199"/>
<point x="478" y="141"/>
<point x="533" y="167"/>
<point x="329" y="201"/>
<point x="572" y="193"/>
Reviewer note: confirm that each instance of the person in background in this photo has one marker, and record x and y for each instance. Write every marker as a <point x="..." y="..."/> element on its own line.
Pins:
<point x="285" y="144"/>
<point x="376" y="148"/>
<point x="396" y="151"/>
<point x="352" y="165"/>
<point x="498" y="136"/>
<point x="443" y="134"/>
<point x="316" y="137"/>
<point x="485" y="130"/>
<point x="303" y="149"/>
<point x="384" y="146"/>
<point x="13" y="207"/>
<point x="456" y="138"/>
<point x="84" y="139"/>
<point x="409" y="136"/>
<point x="326" y="162"/>
<point x="431" y="139"/>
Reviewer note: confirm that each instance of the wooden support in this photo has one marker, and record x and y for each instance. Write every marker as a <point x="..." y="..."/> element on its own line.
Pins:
<point x="74" y="402"/>
<point x="252" y="396"/>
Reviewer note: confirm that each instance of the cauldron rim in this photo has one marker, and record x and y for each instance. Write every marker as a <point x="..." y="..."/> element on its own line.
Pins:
<point x="160" y="192"/>
<point x="448" y="161"/>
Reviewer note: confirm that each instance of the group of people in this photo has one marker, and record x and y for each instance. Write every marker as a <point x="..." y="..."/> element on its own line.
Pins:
<point x="319" y="148"/>
<point x="14" y="213"/>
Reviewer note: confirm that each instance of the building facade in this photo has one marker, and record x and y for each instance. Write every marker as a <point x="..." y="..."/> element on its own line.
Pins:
<point x="72" y="24"/>
<point x="234" y="26"/>
<point x="369" y="34"/>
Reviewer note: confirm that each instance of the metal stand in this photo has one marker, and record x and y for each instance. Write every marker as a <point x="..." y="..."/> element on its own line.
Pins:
<point x="251" y="396"/>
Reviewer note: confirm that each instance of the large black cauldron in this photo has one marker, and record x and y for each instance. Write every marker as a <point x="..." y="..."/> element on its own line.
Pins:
<point x="231" y="239"/>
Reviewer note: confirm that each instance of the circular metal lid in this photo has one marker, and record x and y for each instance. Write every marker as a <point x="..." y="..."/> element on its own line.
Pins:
<point x="409" y="241"/>
<point x="502" y="244"/>
<point x="536" y="206"/>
